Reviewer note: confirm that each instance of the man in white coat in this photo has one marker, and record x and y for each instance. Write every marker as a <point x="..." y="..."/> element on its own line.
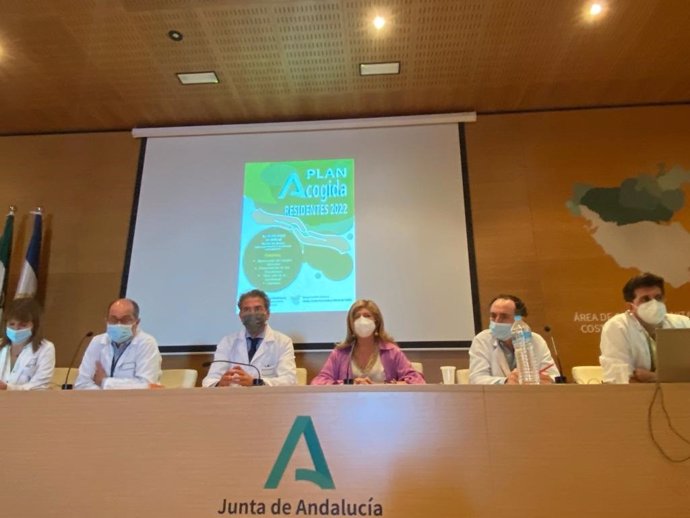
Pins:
<point x="492" y="359"/>
<point x="263" y="356"/>
<point x="629" y="338"/>
<point x="124" y="357"/>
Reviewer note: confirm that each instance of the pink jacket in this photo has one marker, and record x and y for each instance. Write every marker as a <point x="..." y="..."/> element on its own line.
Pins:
<point x="395" y="364"/>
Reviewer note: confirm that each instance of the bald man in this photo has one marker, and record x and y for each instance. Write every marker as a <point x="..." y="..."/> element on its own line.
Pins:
<point x="124" y="357"/>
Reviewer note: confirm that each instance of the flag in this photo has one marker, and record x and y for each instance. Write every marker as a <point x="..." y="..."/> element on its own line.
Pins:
<point x="5" y="254"/>
<point x="28" y="279"/>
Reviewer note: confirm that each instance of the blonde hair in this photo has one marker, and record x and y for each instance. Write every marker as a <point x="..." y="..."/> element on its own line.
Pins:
<point x="379" y="332"/>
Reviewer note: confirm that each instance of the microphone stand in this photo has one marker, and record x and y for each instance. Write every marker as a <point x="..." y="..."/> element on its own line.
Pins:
<point x="562" y="378"/>
<point x="349" y="380"/>
<point x="65" y="385"/>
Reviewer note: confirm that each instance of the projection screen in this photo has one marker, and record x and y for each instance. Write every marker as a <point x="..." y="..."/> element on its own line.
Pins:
<point x="317" y="218"/>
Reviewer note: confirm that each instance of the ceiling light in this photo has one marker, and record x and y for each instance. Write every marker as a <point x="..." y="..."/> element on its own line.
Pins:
<point x="197" y="78"/>
<point x="595" y="9"/>
<point x="378" y="69"/>
<point x="379" y="22"/>
<point x="175" y="35"/>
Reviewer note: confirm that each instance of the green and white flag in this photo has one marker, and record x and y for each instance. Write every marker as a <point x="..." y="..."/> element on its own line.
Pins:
<point x="5" y="254"/>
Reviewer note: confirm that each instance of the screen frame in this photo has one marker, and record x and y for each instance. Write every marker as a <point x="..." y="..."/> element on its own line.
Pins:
<point x="144" y="135"/>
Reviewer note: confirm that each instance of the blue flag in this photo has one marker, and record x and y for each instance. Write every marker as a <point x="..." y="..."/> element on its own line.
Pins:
<point x="28" y="279"/>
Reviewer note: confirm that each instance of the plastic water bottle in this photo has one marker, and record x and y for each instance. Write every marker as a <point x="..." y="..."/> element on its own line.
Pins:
<point x="528" y="371"/>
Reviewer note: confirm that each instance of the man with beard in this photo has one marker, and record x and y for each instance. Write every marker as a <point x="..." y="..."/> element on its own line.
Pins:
<point x="270" y="353"/>
<point x="492" y="356"/>
<point x="629" y="338"/>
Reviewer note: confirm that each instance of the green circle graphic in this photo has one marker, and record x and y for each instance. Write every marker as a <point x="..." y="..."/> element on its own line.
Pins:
<point x="272" y="259"/>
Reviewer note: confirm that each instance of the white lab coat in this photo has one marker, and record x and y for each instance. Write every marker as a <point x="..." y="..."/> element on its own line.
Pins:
<point x="624" y="340"/>
<point x="488" y="364"/>
<point x="275" y="358"/>
<point x="139" y="365"/>
<point x="32" y="370"/>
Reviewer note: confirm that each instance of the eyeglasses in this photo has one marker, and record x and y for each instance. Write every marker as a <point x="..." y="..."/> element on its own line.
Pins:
<point x="127" y="320"/>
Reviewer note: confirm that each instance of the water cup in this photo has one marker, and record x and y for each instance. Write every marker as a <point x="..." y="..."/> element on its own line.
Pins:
<point x="448" y="373"/>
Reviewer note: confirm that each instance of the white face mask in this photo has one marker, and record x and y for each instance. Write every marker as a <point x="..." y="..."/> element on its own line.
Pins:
<point x="364" y="327"/>
<point x="652" y="312"/>
<point x="501" y="331"/>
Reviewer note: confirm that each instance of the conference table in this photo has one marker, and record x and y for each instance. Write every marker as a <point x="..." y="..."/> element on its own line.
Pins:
<point x="396" y="451"/>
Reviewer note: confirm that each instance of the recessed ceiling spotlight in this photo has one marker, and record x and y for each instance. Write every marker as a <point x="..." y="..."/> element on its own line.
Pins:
<point x="595" y="9"/>
<point x="175" y="35"/>
<point x="197" y="78"/>
<point x="594" y="12"/>
<point x="379" y="22"/>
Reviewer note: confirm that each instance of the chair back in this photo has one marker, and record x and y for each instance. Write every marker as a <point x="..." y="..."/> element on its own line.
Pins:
<point x="178" y="378"/>
<point x="301" y="376"/>
<point x="462" y="376"/>
<point x="418" y="367"/>
<point x="588" y="374"/>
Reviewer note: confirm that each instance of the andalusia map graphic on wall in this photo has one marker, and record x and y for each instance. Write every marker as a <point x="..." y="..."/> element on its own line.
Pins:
<point x="634" y="222"/>
<point x="298" y="234"/>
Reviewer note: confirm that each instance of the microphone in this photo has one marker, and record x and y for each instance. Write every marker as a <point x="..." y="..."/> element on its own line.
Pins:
<point x="257" y="380"/>
<point x="557" y="358"/>
<point x="65" y="385"/>
<point x="349" y="380"/>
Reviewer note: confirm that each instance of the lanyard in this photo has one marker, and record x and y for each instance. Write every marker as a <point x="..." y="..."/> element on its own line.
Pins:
<point x="651" y="342"/>
<point x="117" y="354"/>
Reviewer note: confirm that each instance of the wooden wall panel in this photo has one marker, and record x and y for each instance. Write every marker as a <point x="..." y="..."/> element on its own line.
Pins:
<point x="85" y="184"/>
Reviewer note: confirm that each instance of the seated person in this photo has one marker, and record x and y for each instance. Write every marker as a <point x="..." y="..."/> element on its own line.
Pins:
<point x="368" y="354"/>
<point x="124" y="357"/>
<point x="27" y="360"/>
<point x="630" y="337"/>
<point x="492" y="358"/>
<point x="264" y="356"/>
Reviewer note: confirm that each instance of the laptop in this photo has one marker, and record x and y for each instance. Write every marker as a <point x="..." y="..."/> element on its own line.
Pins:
<point x="673" y="355"/>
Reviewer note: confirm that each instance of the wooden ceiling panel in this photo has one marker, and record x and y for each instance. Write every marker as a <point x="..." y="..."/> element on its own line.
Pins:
<point x="93" y="64"/>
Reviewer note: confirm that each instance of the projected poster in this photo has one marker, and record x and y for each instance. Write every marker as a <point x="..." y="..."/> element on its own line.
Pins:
<point x="298" y="234"/>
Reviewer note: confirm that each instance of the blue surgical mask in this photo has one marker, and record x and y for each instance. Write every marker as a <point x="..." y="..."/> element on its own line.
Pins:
<point x="17" y="336"/>
<point x="119" y="333"/>
<point x="500" y="330"/>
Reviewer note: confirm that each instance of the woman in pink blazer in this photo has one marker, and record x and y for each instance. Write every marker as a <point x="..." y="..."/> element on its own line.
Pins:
<point x="368" y="354"/>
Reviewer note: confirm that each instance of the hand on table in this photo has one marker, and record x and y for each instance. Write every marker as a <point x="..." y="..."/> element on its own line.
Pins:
<point x="236" y="376"/>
